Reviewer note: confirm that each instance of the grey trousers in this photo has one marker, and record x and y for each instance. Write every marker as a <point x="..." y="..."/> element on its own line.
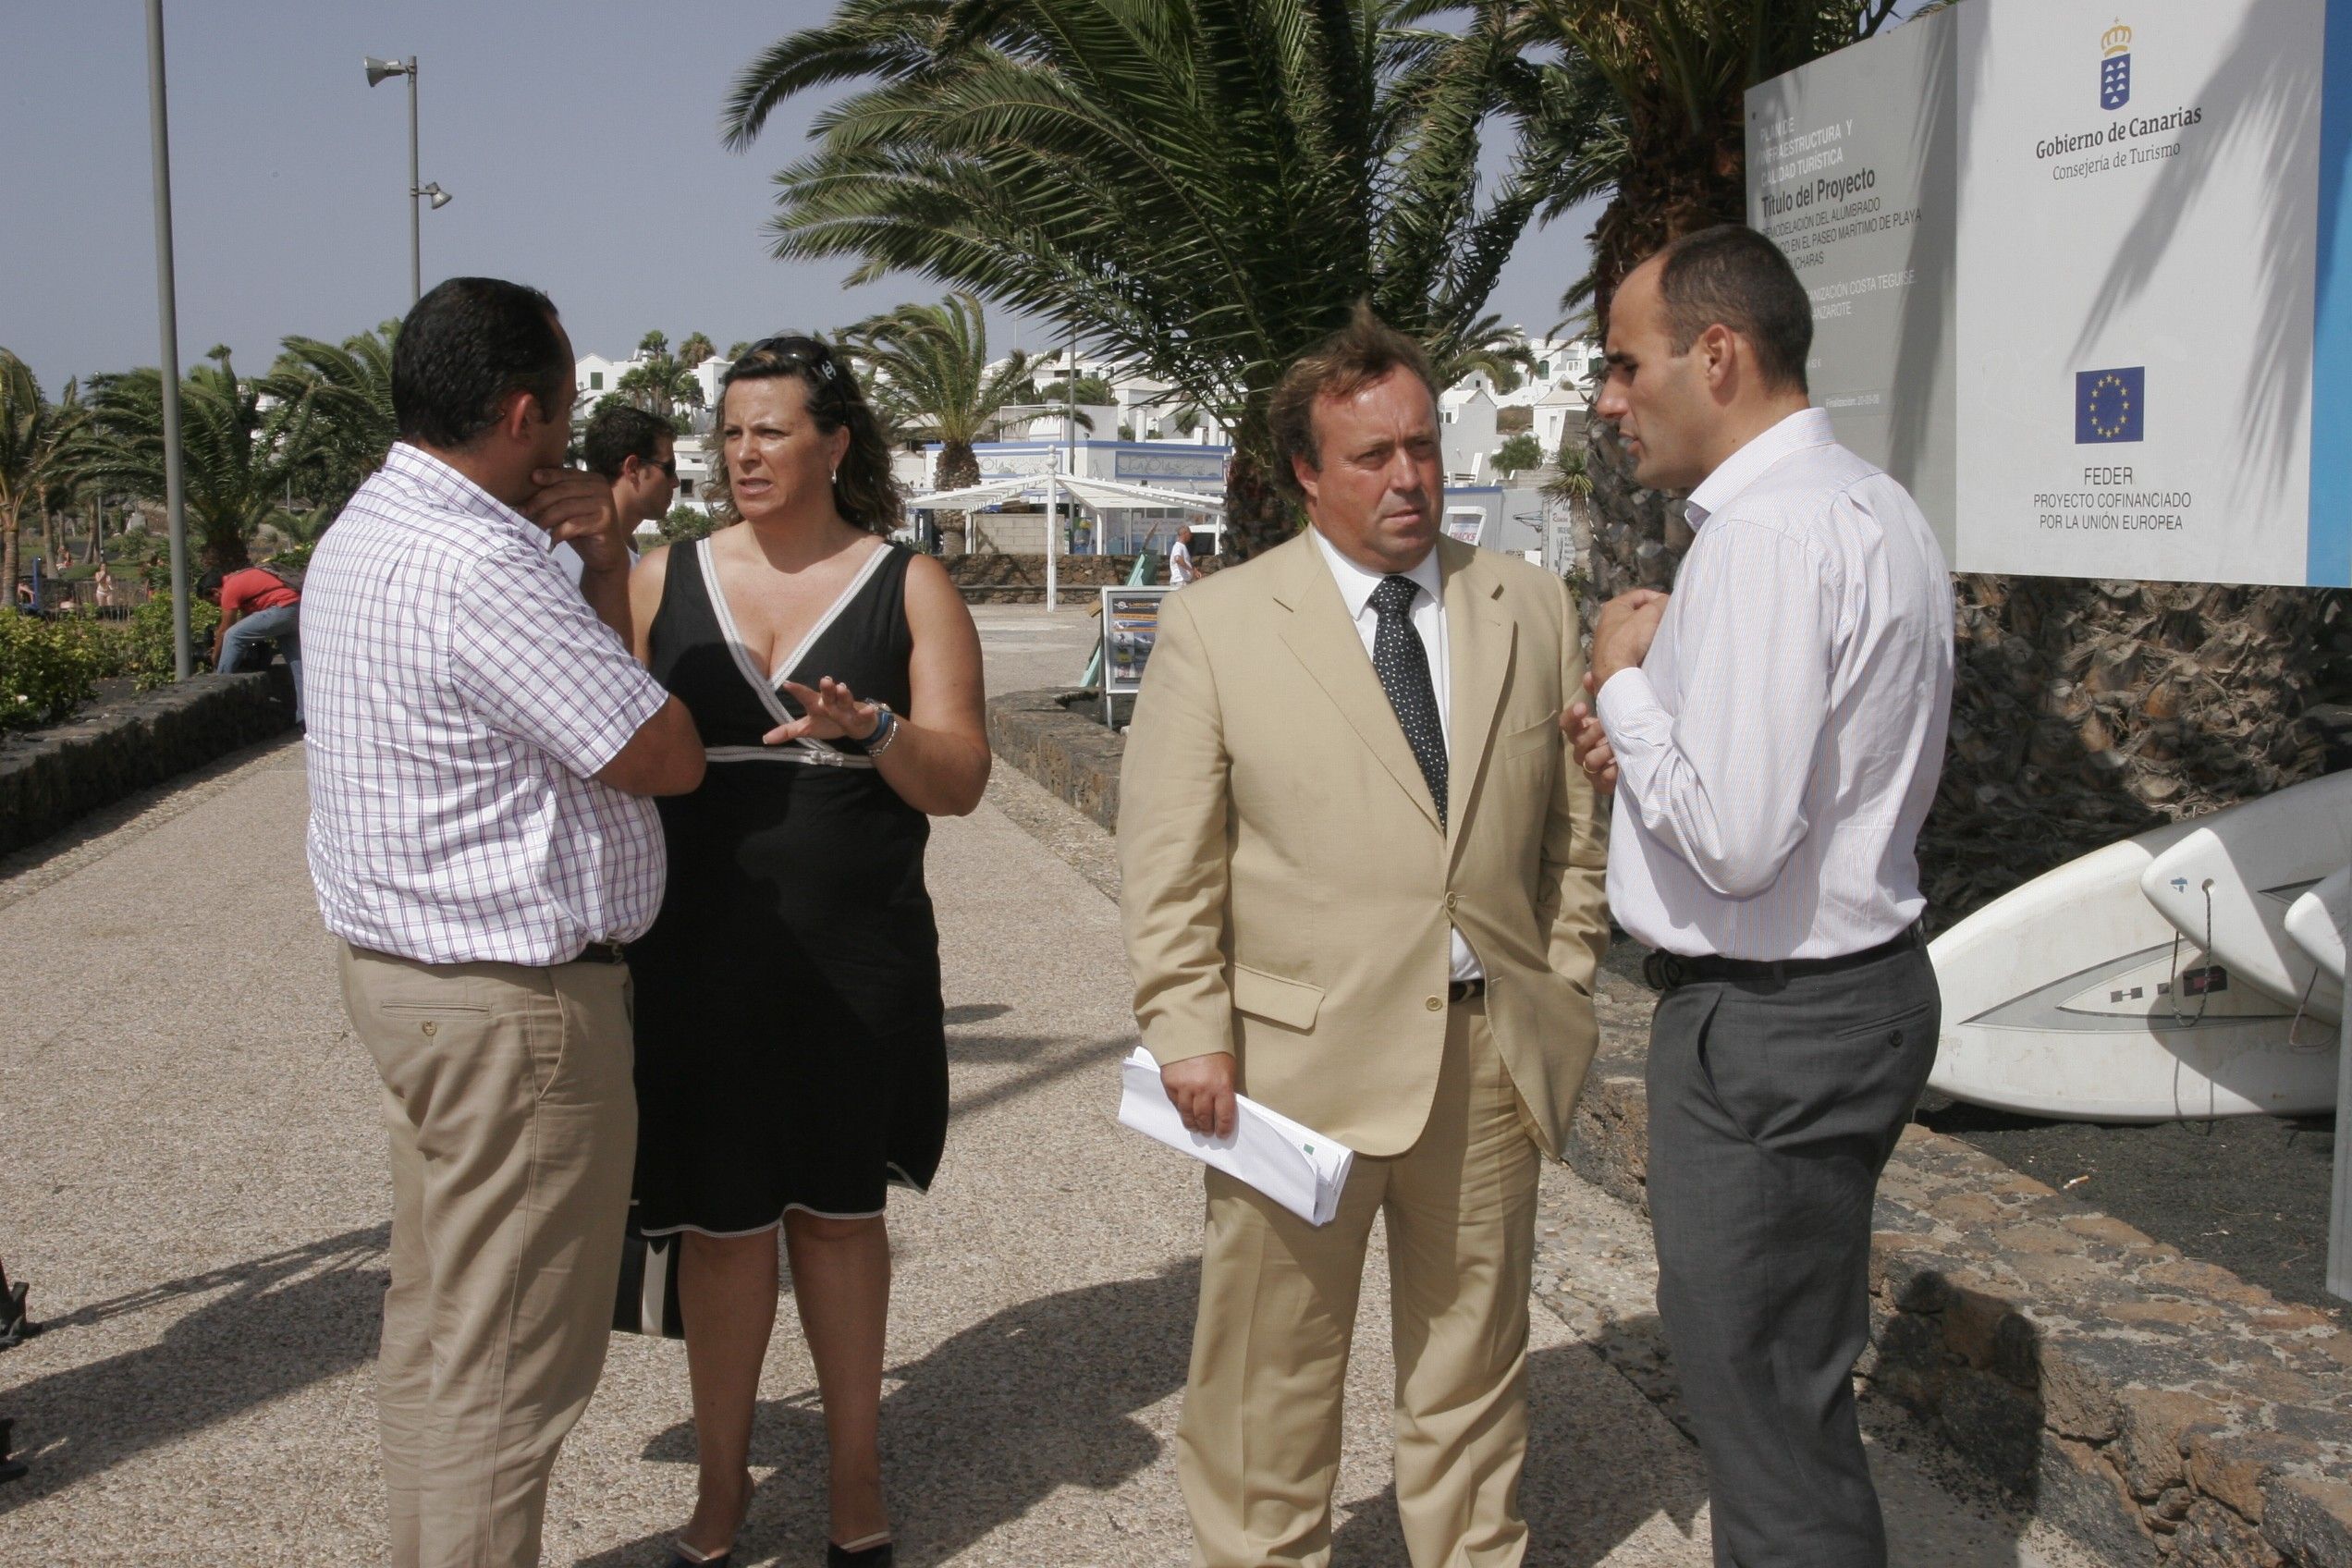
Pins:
<point x="1773" y="1109"/>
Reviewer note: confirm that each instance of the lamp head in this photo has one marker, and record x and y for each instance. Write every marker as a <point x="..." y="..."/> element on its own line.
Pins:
<point x="440" y="198"/>
<point x="378" y="69"/>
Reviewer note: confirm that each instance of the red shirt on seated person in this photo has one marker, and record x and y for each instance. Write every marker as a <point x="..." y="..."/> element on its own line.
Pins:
<point x="255" y="588"/>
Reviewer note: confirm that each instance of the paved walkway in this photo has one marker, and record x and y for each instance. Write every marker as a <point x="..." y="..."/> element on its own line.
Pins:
<point x="192" y="1179"/>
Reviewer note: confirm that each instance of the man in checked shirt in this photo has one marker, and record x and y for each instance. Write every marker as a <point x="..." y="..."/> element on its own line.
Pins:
<point x="481" y="750"/>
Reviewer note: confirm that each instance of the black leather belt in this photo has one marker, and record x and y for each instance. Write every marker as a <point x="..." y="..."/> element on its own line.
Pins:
<point x="1463" y="990"/>
<point x="602" y="952"/>
<point x="1666" y="971"/>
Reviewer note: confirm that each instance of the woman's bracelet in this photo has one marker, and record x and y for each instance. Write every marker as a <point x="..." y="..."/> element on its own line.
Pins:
<point x="885" y="730"/>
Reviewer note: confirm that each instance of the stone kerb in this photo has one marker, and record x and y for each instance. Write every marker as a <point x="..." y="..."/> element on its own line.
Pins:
<point x="1070" y="754"/>
<point x="52" y="776"/>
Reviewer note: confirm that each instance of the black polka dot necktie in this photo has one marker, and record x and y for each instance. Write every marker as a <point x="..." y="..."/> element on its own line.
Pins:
<point x="1403" y="667"/>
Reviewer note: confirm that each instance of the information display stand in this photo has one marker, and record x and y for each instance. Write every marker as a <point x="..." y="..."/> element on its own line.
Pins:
<point x="1129" y="627"/>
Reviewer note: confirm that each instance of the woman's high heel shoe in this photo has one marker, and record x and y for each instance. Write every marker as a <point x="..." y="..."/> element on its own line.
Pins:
<point x="680" y="1556"/>
<point x="872" y="1552"/>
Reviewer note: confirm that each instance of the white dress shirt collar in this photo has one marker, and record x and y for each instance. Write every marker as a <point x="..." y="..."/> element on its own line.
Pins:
<point x="1356" y="582"/>
<point x="1807" y="427"/>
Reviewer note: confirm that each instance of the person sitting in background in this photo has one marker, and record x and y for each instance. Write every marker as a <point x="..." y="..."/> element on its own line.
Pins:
<point x="257" y="607"/>
<point x="636" y="453"/>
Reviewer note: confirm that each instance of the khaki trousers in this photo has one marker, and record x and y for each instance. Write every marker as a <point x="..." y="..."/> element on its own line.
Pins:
<point x="1258" y="1447"/>
<point x="513" y="1120"/>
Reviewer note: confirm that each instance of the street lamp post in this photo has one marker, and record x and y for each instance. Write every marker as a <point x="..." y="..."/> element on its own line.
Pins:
<point x="167" y="310"/>
<point x="376" y="71"/>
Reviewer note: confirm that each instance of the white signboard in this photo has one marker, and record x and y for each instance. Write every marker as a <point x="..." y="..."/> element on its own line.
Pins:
<point x="2138" y="228"/>
<point x="1129" y="627"/>
<point x="2077" y="278"/>
<point x="1852" y="169"/>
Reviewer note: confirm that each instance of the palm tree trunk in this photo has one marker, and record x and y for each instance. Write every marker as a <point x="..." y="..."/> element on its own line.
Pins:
<point x="1258" y="516"/>
<point x="959" y="466"/>
<point x="8" y="556"/>
<point x="223" y="548"/>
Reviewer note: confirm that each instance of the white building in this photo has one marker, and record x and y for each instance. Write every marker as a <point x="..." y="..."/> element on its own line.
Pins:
<point x="1467" y="412"/>
<point x="1561" y="413"/>
<point x="594" y="377"/>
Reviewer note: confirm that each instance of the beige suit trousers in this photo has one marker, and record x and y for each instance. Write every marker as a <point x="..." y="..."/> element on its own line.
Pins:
<point x="513" y="1120"/>
<point x="1258" y="1442"/>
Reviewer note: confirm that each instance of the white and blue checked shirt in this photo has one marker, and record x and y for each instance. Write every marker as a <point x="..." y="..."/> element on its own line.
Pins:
<point x="1778" y="750"/>
<point x="461" y="695"/>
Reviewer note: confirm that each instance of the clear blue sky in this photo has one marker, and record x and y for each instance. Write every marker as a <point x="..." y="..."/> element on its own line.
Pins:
<point x="580" y="140"/>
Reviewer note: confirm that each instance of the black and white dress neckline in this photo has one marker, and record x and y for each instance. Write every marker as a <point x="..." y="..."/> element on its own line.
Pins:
<point x="807" y="748"/>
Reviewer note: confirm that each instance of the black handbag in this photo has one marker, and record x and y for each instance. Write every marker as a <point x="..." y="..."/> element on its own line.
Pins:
<point x="646" y="1302"/>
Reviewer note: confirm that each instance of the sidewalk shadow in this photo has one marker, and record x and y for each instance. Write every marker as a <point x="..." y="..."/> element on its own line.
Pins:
<point x="288" y="1320"/>
<point x="976" y="1434"/>
<point x="1577" y="1513"/>
<point x="1925" y="1526"/>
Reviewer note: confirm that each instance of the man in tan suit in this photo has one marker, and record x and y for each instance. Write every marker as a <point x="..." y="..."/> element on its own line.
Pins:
<point x="1361" y="886"/>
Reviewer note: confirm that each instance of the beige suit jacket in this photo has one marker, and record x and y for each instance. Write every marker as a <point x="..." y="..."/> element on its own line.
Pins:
<point x="1286" y="889"/>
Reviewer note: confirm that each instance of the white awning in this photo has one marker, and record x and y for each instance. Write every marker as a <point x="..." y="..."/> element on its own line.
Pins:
<point x="1103" y="494"/>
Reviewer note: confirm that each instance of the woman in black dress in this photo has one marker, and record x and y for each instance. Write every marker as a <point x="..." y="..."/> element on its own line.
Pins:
<point x="791" y="1061"/>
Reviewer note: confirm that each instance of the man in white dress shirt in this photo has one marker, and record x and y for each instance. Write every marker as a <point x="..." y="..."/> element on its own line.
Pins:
<point x="1774" y="732"/>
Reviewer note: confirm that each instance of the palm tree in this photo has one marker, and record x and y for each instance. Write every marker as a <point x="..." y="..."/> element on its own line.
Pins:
<point x="334" y="414"/>
<point x="234" y="471"/>
<point x="1200" y="188"/>
<point x="930" y="378"/>
<point x="662" y="383"/>
<point x="1493" y="347"/>
<point x="36" y="437"/>
<point x="1645" y="100"/>
<point x="1093" y="390"/>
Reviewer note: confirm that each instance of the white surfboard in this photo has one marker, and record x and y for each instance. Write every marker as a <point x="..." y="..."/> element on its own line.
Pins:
<point x="2228" y="882"/>
<point x="2316" y="922"/>
<point x="2071" y="996"/>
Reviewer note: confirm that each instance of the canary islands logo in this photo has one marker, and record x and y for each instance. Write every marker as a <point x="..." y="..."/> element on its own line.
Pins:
<point x="2110" y="405"/>
<point x="2115" y="68"/>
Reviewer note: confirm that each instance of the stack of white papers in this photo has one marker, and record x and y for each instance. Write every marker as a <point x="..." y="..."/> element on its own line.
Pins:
<point x="1295" y="1166"/>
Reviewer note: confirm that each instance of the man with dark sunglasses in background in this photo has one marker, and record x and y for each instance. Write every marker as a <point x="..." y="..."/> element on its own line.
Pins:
<point x="636" y="453"/>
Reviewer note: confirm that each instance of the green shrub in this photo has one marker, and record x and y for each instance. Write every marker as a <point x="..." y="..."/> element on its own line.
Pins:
<point x="151" y="663"/>
<point x="686" y="522"/>
<point x="109" y="643"/>
<point x="46" y="671"/>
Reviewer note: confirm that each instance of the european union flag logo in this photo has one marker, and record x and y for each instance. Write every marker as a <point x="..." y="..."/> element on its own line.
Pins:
<point x="2110" y="405"/>
<point x="2114" y="82"/>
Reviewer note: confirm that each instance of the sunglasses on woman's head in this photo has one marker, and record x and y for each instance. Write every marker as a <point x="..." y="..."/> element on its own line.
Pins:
<point x="797" y="348"/>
